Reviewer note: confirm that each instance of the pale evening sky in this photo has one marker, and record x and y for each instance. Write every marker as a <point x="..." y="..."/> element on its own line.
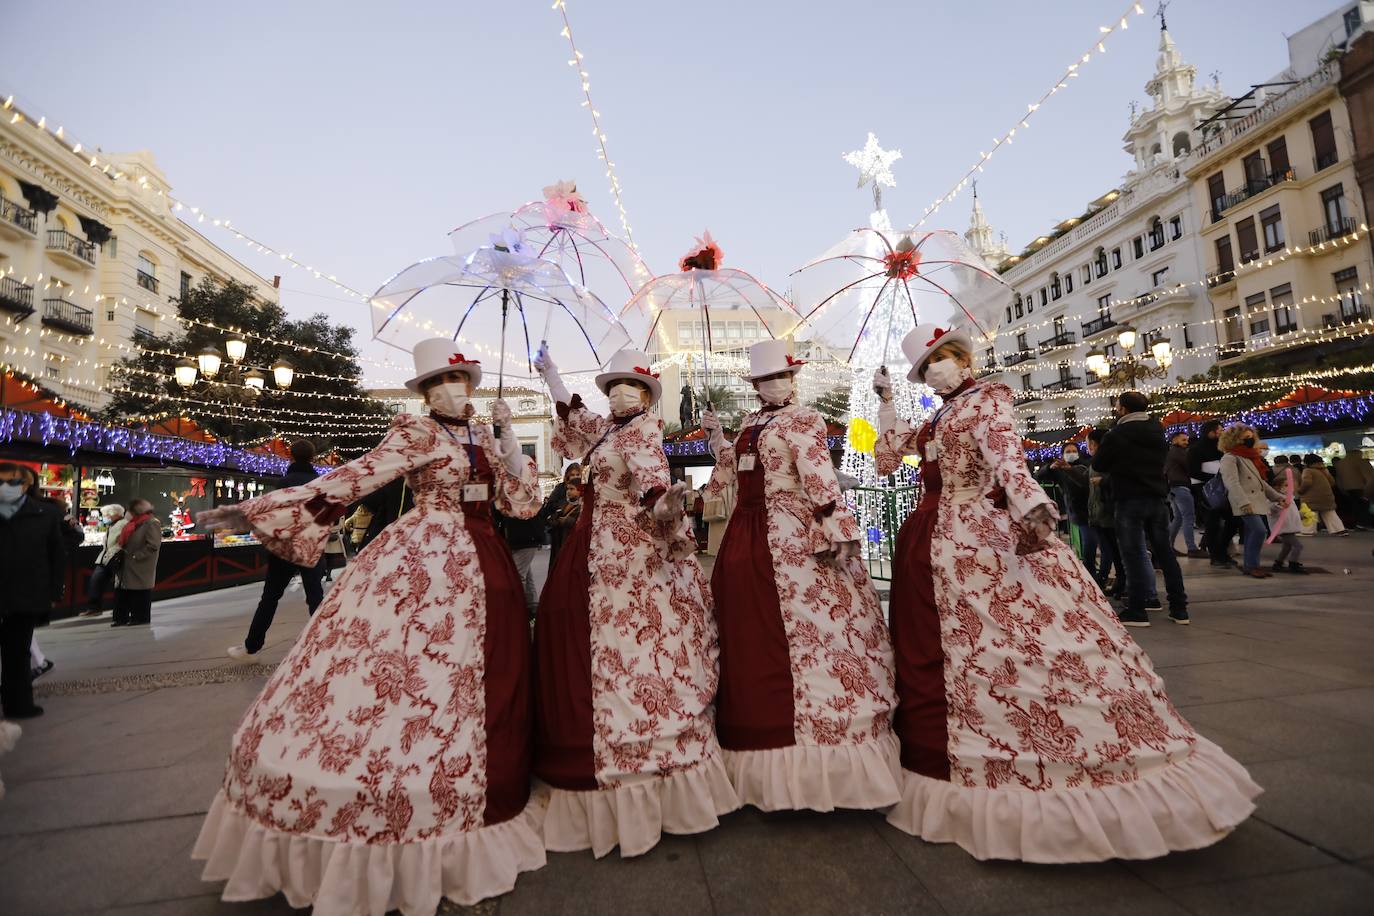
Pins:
<point x="357" y="134"/>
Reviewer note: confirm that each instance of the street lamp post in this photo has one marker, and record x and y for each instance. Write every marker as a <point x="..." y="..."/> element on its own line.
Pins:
<point x="1129" y="369"/>
<point x="238" y="384"/>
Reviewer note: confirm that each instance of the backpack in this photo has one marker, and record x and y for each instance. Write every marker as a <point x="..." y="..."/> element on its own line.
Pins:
<point x="1214" y="492"/>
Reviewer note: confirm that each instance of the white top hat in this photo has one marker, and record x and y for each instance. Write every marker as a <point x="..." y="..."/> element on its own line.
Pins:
<point x="925" y="339"/>
<point x="632" y="365"/>
<point x="769" y="357"/>
<point x="439" y="355"/>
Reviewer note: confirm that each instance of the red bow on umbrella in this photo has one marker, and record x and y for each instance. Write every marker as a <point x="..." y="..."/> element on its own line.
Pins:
<point x="939" y="332"/>
<point x="457" y="358"/>
<point x="902" y="265"/>
<point x="794" y="362"/>
<point x="642" y="370"/>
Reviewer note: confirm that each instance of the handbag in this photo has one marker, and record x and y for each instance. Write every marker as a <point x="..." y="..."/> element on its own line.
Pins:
<point x="114" y="564"/>
<point x="1214" y="492"/>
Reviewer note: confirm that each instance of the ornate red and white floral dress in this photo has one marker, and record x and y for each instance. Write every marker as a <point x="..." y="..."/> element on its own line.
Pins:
<point x="625" y="656"/>
<point x="1032" y="725"/>
<point x="806" y="678"/>
<point x="386" y="764"/>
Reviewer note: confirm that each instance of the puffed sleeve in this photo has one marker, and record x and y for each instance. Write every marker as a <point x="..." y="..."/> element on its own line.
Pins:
<point x="834" y="523"/>
<point x="577" y="429"/>
<point x="641" y="443"/>
<point x="725" y="475"/>
<point x="995" y="437"/>
<point x="294" y="522"/>
<point x="513" y="496"/>
<point x="893" y="443"/>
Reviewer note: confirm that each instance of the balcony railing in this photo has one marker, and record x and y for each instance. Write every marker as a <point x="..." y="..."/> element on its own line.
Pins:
<point x="1230" y="350"/>
<point x="62" y="240"/>
<point x="16" y="215"/>
<point x="1027" y="396"/>
<point x="1062" y="339"/>
<point x="1068" y="383"/>
<point x="1325" y="161"/>
<point x="16" y="296"/>
<point x="147" y="281"/>
<point x="1331" y="232"/>
<point x="1347" y="315"/>
<point x="1020" y="356"/>
<point x="67" y="315"/>
<point x="1221" y="277"/>
<point x="1098" y="325"/>
<point x="1285" y="327"/>
<point x="144" y="335"/>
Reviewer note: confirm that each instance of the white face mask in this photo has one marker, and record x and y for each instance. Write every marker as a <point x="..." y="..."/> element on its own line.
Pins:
<point x="775" y="390"/>
<point x="1070" y="456"/>
<point x="449" y="399"/>
<point x="944" y="376"/>
<point x="625" y="399"/>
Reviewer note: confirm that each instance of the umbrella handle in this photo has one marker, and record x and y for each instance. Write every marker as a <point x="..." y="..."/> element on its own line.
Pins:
<point x="501" y="365"/>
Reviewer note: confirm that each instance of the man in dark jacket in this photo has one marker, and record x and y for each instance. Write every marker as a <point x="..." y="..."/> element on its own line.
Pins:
<point x="525" y="537"/>
<point x="1133" y="454"/>
<point x="1220" y="526"/>
<point x="1181" y="503"/>
<point x="279" y="571"/>
<point x="1070" y="473"/>
<point x="386" y="505"/>
<point x="33" y="561"/>
<point x="555" y="508"/>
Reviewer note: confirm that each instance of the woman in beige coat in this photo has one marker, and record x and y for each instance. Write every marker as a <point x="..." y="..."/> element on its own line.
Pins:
<point x="141" y="542"/>
<point x="1245" y="475"/>
<point x="1317" y="490"/>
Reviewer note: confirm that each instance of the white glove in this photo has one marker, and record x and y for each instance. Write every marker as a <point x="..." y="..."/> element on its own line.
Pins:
<point x="882" y="384"/>
<point x="887" y="416"/>
<point x="507" y="447"/>
<point x="670" y="506"/>
<point x="500" y="413"/>
<point x="715" y="437"/>
<point x="543" y="364"/>
<point x="225" y="518"/>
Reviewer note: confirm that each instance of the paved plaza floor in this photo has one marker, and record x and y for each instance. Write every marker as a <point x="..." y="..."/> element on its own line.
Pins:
<point x="106" y="792"/>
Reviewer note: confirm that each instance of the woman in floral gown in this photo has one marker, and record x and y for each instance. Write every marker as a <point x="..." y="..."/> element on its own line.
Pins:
<point x="806" y="693"/>
<point x="386" y="764"/>
<point x="625" y="644"/>
<point x="1032" y="725"/>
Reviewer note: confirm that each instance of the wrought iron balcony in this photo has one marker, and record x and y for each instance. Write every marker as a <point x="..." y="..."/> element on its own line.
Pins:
<point x="1062" y="339"/>
<point x="16" y="296"/>
<point x="147" y="281"/>
<point x="1352" y="314"/>
<point x="1098" y="325"/>
<point x="1067" y="383"/>
<point x="144" y="335"/>
<point x="1231" y="350"/>
<point x="1221" y="277"/>
<point x="59" y="313"/>
<point x="17" y="217"/>
<point x="1020" y="356"/>
<point x="1330" y="232"/>
<point x="1252" y="187"/>
<point x="70" y="249"/>
<point x="1028" y="396"/>
<point x="1285" y="327"/>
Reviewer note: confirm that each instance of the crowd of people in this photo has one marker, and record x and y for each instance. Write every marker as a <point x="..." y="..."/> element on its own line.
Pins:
<point x="415" y="744"/>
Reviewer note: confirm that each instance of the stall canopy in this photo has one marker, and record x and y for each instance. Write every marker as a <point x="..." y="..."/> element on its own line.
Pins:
<point x="23" y="394"/>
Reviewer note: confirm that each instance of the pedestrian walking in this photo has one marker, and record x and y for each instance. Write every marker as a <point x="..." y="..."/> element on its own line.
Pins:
<point x="279" y="571"/>
<point x="33" y="565"/>
<point x="107" y="562"/>
<point x="1286" y="520"/>
<point x="1354" y="476"/>
<point x="1220" y="526"/>
<point x="1181" y="502"/>
<point x="140" y="542"/>
<point x="1044" y="733"/>
<point x="1317" y="490"/>
<point x="386" y="764"/>
<point x="1101" y="554"/>
<point x="1133" y="454"/>
<point x="1249" y="492"/>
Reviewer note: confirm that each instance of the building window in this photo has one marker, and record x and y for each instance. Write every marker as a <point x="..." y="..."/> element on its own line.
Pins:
<point x="1249" y="242"/>
<point x="1156" y="234"/>
<point x="1044" y="296"/>
<point x="146" y="274"/>
<point x="185" y="284"/>
<point x="1351" y="18"/>
<point x="1235" y="330"/>
<point x="1026" y="382"/>
<point x="1158" y="277"/>
<point x="145" y="323"/>
<point x="1323" y="140"/>
<point x="1109" y="351"/>
<point x="1225" y="262"/>
<point x="52" y="367"/>
<point x="1030" y="424"/>
<point x="1104" y="305"/>
<point x="1348" y="288"/>
<point x="1021" y="342"/>
<point x="1064" y="371"/>
<point x="1216" y="192"/>
<point x="1087" y="274"/>
<point x="1058" y="327"/>
<point x="1278" y="156"/>
<point x="1333" y="210"/>
<point x="530" y="450"/>
<point x="1019" y="310"/>
<point x="1008" y="314"/>
<point x="1139" y="244"/>
<point x="1176" y="228"/>
<point x="1101" y="262"/>
<point x="1188" y="337"/>
<point x="1116" y="259"/>
<point x="1281" y="299"/>
<point x="1259" y="318"/>
<point x="1056" y="288"/>
<point x="991" y="355"/>
<point x="1068" y="282"/>
<point x="1070" y="416"/>
<point x="1272" y="223"/>
<point x="1256" y="175"/>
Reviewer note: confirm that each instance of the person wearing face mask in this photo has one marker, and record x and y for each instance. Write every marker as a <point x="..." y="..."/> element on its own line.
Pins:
<point x="1070" y="473"/>
<point x="33" y="564"/>
<point x="1249" y="493"/>
<point x="140" y="542"/>
<point x="806" y="684"/>
<point x="625" y="644"/>
<point x="390" y="750"/>
<point x="1032" y="725"/>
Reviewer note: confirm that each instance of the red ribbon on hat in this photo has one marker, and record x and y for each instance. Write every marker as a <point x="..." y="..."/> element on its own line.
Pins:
<point x="939" y="332"/>
<point x="642" y="370"/>
<point x="794" y="362"/>
<point x="457" y="358"/>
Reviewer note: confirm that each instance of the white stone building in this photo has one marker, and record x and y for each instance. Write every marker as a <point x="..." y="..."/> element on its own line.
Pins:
<point x="90" y="262"/>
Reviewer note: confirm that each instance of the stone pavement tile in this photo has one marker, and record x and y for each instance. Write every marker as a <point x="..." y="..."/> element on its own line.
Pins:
<point x="1339" y="664"/>
<point x="1295" y="732"/>
<point x="1325" y="808"/>
<point x="175" y="878"/>
<point x="964" y="886"/>
<point x="1338" y="891"/>
<point x="667" y="879"/>
<point x="1139" y="903"/>
<point x="1239" y="679"/>
<point x="1170" y="646"/>
<point x="1366" y="864"/>
<point x="807" y="862"/>
<point x="88" y="868"/>
<point x="1351" y="705"/>
<point x="1253" y="848"/>
<point x="207" y="906"/>
<point x="132" y="795"/>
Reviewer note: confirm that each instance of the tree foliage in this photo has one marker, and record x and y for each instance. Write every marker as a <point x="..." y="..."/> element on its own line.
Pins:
<point x="149" y="388"/>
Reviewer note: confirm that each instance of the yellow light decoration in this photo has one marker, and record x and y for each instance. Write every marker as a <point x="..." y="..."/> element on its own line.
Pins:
<point x="862" y="435"/>
<point x="912" y="460"/>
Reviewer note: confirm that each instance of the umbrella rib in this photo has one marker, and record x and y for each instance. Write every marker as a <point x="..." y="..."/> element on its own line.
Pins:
<point x="828" y="299"/>
<point x="871" y="309"/>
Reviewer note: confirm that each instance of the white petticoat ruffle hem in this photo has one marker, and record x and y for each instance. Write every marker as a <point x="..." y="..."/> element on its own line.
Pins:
<point x="637" y="813"/>
<point x="360" y="879"/>
<point x="819" y="777"/>
<point x="1186" y="805"/>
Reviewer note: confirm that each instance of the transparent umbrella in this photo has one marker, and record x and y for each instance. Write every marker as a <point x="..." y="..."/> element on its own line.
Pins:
<point x="711" y="291"/>
<point x="865" y="293"/>
<point x="500" y="301"/>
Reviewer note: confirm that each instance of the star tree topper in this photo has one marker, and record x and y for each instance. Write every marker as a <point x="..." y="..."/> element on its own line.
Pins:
<point x="875" y="167"/>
